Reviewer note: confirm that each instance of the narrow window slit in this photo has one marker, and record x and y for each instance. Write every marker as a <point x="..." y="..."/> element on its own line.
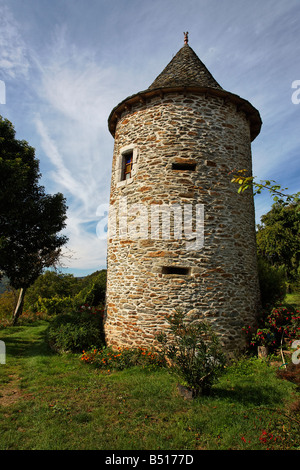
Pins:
<point x="176" y="270"/>
<point x="184" y="166"/>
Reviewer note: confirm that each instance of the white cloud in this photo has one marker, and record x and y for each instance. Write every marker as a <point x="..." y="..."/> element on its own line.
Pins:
<point x="76" y="97"/>
<point x="62" y="174"/>
<point x="13" y="57"/>
<point x="88" y="251"/>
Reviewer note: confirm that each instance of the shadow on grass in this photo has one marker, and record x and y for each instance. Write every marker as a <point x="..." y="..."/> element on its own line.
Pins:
<point x="257" y="395"/>
<point x="22" y="343"/>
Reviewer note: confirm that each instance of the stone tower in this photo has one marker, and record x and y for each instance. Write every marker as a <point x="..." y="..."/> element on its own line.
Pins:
<point x="180" y="236"/>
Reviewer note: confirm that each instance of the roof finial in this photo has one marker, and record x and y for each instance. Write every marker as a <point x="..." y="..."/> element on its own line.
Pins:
<point x="186" y="38"/>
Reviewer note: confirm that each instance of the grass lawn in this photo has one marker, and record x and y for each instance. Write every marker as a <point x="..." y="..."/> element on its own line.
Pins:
<point x="293" y="299"/>
<point x="56" y="402"/>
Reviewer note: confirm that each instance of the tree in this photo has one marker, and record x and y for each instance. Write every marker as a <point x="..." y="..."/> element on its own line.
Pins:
<point x="30" y="219"/>
<point x="93" y="293"/>
<point x="51" y="284"/>
<point x="278" y="237"/>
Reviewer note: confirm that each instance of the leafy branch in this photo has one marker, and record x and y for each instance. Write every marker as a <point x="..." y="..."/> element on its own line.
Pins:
<point x="278" y="193"/>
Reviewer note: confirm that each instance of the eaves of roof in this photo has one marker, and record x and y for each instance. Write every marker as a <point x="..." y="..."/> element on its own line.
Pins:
<point x="142" y="97"/>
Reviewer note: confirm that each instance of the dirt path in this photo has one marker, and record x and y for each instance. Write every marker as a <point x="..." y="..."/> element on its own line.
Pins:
<point x="11" y="391"/>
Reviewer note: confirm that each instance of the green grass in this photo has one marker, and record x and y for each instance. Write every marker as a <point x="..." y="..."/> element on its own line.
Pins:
<point x="293" y="299"/>
<point x="56" y="402"/>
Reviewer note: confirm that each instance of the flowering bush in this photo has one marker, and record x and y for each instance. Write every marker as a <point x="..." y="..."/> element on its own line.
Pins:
<point x="281" y="325"/>
<point x="285" y="323"/>
<point x="122" y="358"/>
<point x="263" y="337"/>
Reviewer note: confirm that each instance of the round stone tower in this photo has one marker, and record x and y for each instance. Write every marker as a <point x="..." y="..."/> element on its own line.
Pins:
<point x="180" y="236"/>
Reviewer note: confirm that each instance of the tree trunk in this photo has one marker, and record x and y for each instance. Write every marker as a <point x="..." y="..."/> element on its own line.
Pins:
<point x="19" y="307"/>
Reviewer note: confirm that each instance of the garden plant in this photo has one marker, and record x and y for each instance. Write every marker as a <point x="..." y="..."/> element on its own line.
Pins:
<point x="193" y="352"/>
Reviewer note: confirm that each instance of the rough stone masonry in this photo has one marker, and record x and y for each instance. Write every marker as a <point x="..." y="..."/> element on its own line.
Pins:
<point x="175" y="146"/>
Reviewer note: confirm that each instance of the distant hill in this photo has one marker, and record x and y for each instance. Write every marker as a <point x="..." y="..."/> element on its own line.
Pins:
<point x="3" y="284"/>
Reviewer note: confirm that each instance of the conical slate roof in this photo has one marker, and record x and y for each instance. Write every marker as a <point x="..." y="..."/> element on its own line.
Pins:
<point x="185" y="69"/>
<point x="185" y="73"/>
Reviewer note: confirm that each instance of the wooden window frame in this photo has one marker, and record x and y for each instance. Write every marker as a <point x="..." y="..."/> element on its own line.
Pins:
<point x="123" y="177"/>
<point x="127" y="165"/>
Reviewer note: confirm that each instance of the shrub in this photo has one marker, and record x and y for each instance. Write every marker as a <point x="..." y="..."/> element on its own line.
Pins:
<point x="284" y="322"/>
<point x="263" y="337"/>
<point x="193" y="351"/>
<point x="76" y="331"/>
<point x="29" y="317"/>
<point x="122" y="358"/>
<point x="53" y="292"/>
<point x="280" y="326"/>
<point x="93" y="293"/>
<point x="272" y="282"/>
<point x="53" y="305"/>
<point x="8" y="302"/>
<point x="51" y="285"/>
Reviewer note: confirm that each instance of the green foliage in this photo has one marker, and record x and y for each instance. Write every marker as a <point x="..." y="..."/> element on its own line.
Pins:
<point x="55" y="293"/>
<point x="284" y="322"/>
<point x="94" y="292"/>
<point x="76" y="331"/>
<point x="122" y="358"/>
<point x="278" y="238"/>
<point x="272" y="282"/>
<point x="248" y="182"/>
<point x="51" y="285"/>
<point x="7" y="304"/>
<point x="194" y="352"/>
<point x="279" y="327"/>
<point x="262" y="337"/>
<point x="54" y="305"/>
<point x="30" y="219"/>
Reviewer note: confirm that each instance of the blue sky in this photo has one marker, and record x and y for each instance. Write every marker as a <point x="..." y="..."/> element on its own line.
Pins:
<point x="67" y="63"/>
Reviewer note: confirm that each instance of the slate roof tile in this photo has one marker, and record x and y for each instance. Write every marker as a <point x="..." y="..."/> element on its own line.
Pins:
<point x="185" y="69"/>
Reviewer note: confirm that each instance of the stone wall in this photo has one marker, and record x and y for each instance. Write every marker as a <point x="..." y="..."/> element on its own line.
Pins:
<point x="219" y="282"/>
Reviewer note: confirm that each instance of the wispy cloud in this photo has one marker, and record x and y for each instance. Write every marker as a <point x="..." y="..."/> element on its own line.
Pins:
<point x="75" y="96"/>
<point x="13" y="57"/>
<point x="62" y="175"/>
<point x="83" y="199"/>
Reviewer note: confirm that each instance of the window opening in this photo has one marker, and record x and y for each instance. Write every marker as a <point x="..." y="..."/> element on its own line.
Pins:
<point x="128" y="160"/>
<point x="175" y="270"/>
<point x="184" y="166"/>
